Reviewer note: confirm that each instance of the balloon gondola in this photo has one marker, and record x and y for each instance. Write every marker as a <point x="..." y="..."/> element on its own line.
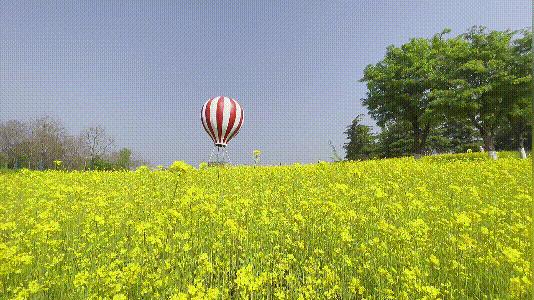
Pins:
<point x="221" y="117"/>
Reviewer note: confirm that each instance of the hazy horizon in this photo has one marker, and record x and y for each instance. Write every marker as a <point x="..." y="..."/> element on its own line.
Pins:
<point x="144" y="70"/>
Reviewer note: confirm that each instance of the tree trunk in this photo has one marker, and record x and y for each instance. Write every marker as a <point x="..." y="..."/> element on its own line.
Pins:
<point x="417" y="149"/>
<point x="489" y="142"/>
<point x="424" y="137"/>
<point x="522" y="152"/>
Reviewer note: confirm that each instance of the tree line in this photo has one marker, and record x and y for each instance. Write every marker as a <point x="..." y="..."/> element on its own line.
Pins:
<point x="448" y="94"/>
<point x="44" y="143"/>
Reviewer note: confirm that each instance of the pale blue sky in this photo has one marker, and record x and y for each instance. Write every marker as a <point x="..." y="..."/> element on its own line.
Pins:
<point x="143" y="69"/>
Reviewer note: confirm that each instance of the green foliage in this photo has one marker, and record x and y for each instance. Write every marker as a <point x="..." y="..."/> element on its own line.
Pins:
<point x="452" y="137"/>
<point x="101" y="164"/>
<point x="361" y="141"/>
<point x="519" y="110"/>
<point x="400" y="86"/>
<point x="511" y="137"/>
<point x="124" y="160"/>
<point x="477" y="75"/>
<point x="394" y="140"/>
<point x="449" y="94"/>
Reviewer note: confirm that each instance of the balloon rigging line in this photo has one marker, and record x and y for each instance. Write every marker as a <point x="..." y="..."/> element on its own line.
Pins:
<point x="227" y="155"/>
<point x="211" y="155"/>
<point x="221" y="157"/>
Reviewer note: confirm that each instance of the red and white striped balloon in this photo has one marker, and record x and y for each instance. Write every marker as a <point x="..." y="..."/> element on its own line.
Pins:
<point x="222" y="118"/>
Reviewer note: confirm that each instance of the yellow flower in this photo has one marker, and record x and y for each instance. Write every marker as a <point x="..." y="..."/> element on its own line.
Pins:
<point x="346" y="236"/>
<point x="179" y="296"/>
<point x="232" y="226"/>
<point x="434" y="260"/>
<point x="463" y="219"/>
<point x="511" y="254"/>
<point x="120" y="297"/>
<point x="80" y="279"/>
<point x="180" y="167"/>
<point x="356" y="287"/>
<point x="34" y="287"/>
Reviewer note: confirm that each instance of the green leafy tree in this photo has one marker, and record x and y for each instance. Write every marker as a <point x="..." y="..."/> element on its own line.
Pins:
<point x="506" y="138"/>
<point x="476" y="70"/>
<point x="101" y="164"/>
<point x="518" y="94"/>
<point x="124" y="159"/>
<point x="361" y="141"/>
<point x="394" y="140"/>
<point x="399" y="89"/>
<point x="459" y="136"/>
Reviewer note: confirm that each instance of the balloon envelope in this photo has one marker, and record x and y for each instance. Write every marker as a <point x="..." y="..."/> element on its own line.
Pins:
<point x="222" y="118"/>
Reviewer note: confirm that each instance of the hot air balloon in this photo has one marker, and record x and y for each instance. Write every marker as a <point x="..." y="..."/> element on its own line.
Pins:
<point x="222" y="117"/>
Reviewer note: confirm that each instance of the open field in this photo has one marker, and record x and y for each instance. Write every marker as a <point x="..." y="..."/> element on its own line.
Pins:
<point x="451" y="227"/>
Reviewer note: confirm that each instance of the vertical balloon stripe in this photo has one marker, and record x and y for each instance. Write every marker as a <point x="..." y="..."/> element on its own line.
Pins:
<point x="203" y="118"/>
<point x="236" y="122"/>
<point x="220" y="111"/>
<point x="226" y="116"/>
<point x="203" y="121"/>
<point x="213" y="118"/>
<point x="238" y="126"/>
<point x="231" y="120"/>
<point x="207" y="117"/>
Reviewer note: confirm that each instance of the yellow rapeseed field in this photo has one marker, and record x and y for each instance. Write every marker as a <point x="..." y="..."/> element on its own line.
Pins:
<point x="449" y="228"/>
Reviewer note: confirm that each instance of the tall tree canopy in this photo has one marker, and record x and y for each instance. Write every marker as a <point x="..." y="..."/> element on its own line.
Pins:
<point x="518" y="95"/>
<point x="399" y="89"/>
<point x="446" y="87"/>
<point x="477" y="69"/>
<point x="361" y="144"/>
